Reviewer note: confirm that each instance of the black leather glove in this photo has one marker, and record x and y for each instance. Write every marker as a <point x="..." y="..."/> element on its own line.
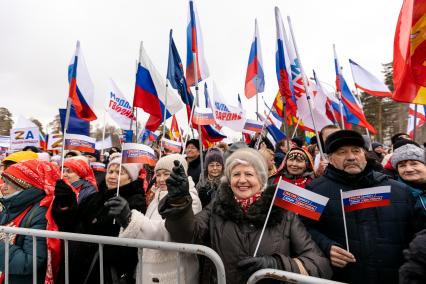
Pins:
<point x="177" y="183"/>
<point x="120" y="210"/>
<point x="250" y="265"/>
<point x="64" y="196"/>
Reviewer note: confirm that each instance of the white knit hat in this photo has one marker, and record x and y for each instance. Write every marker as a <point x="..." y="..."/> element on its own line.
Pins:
<point x="132" y="169"/>
<point x="166" y="162"/>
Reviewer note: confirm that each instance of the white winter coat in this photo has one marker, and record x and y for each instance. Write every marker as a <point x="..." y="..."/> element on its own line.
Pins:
<point x="160" y="266"/>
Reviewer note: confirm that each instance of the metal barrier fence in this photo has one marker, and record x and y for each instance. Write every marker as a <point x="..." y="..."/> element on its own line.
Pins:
<point x="103" y="240"/>
<point x="289" y="277"/>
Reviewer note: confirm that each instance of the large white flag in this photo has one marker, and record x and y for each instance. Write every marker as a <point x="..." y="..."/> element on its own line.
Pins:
<point x="367" y="82"/>
<point x="225" y="114"/>
<point x="119" y="108"/>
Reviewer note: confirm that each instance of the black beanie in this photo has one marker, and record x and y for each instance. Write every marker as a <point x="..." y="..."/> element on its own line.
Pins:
<point x="343" y="138"/>
<point x="194" y="142"/>
<point x="402" y="141"/>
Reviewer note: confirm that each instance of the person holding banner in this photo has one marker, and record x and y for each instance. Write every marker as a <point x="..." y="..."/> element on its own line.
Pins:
<point x="158" y="266"/>
<point x="92" y="217"/>
<point x="364" y="246"/>
<point x="232" y="223"/>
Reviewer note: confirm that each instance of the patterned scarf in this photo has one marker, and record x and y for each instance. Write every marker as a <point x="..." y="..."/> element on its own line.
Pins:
<point x="246" y="203"/>
<point x="42" y="175"/>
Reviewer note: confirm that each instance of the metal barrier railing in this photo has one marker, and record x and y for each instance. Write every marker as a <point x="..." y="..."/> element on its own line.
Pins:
<point x="104" y="240"/>
<point x="289" y="277"/>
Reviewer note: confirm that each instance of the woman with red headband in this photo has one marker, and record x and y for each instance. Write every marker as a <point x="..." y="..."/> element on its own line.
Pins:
<point x="28" y="192"/>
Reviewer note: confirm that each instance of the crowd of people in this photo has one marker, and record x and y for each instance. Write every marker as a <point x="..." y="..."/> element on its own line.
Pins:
<point x="220" y="197"/>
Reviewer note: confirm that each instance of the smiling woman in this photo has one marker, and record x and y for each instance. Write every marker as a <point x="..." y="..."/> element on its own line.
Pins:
<point x="232" y="223"/>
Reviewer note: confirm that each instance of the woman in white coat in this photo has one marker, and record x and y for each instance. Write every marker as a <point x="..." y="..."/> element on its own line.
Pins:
<point x="158" y="266"/>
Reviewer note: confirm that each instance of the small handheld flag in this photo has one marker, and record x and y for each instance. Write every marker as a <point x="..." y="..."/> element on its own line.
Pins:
<point x="300" y="200"/>
<point x="173" y="146"/>
<point x="80" y="143"/>
<point x="138" y="153"/>
<point x="203" y="116"/>
<point x="366" y="198"/>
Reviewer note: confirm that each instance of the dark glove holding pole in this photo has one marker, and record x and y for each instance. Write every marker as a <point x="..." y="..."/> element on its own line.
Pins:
<point x="250" y="265"/>
<point x="177" y="183"/>
<point x="64" y="195"/>
<point x="120" y="210"/>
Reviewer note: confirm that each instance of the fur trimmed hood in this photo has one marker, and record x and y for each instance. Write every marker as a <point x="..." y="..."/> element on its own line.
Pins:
<point x="227" y="208"/>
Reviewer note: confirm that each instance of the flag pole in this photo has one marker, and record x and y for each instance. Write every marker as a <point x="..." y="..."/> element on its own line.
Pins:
<point x="342" y="118"/>
<point x="415" y="122"/>
<point x="119" y="176"/>
<point x="362" y="108"/>
<point x="194" y="54"/>
<point x="164" y="120"/>
<point x="133" y="108"/>
<point x="305" y="83"/>
<point x="263" y="128"/>
<point x="67" y="119"/>
<point x="295" y="129"/>
<point x="344" y="222"/>
<point x="103" y="136"/>
<point x="267" y="218"/>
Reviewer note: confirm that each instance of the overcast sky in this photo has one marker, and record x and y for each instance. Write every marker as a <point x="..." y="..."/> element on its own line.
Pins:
<point x="38" y="39"/>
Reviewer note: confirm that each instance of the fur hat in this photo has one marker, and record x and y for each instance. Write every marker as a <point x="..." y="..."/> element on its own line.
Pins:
<point x="343" y="138"/>
<point x="132" y="169"/>
<point x="166" y="162"/>
<point x="253" y="158"/>
<point x="407" y="152"/>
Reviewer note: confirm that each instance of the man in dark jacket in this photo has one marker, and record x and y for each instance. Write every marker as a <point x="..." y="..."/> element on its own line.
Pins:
<point x="192" y="152"/>
<point x="377" y="236"/>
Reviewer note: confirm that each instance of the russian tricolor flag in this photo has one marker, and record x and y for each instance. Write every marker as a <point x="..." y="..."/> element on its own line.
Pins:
<point x="194" y="44"/>
<point x="366" y="198"/>
<point x="282" y="65"/>
<point x="150" y="92"/>
<point x="81" y="90"/>
<point x="252" y="126"/>
<point x="299" y="200"/>
<point x="203" y="116"/>
<point x="171" y="145"/>
<point x="138" y="153"/>
<point x="255" y="80"/>
<point x="80" y="143"/>
<point x="353" y="111"/>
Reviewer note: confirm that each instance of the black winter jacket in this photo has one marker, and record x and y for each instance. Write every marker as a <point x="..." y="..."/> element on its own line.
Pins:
<point x="224" y="227"/>
<point x="91" y="217"/>
<point x="377" y="236"/>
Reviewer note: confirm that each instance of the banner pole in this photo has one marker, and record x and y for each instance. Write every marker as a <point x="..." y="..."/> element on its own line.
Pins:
<point x="103" y="136"/>
<point x="305" y="83"/>
<point x="415" y="122"/>
<point x="267" y="218"/>
<point x="344" y="221"/>
<point x="200" y="139"/>
<point x="67" y="119"/>
<point x="164" y="120"/>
